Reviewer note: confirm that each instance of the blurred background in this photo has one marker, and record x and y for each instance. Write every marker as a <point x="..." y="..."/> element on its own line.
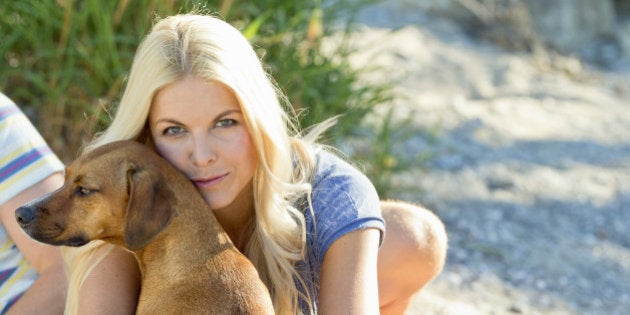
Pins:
<point x="523" y="109"/>
<point x="65" y="61"/>
<point x="509" y="118"/>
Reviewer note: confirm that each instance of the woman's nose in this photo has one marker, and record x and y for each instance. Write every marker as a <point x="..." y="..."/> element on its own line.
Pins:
<point x="202" y="152"/>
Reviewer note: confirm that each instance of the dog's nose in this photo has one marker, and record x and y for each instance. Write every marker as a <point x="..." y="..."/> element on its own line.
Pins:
<point x="24" y="216"/>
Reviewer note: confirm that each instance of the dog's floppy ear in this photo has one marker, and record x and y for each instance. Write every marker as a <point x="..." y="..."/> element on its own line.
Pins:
<point x="149" y="209"/>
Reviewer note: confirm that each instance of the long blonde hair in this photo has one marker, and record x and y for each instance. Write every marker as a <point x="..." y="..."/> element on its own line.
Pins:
<point x="209" y="48"/>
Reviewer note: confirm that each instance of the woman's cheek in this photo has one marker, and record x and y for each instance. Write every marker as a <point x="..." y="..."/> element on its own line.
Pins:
<point x="170" y="154"/>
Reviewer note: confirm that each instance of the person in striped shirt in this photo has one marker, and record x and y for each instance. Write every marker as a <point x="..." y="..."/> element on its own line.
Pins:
<point x="32" y="277"/>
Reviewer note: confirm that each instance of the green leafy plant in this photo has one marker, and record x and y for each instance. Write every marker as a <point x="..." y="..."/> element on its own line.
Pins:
<point x="65" y="61"/>
<point x="378" y="148"/>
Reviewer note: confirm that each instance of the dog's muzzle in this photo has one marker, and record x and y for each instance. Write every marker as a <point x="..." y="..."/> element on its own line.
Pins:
<point x="25" y="217"/>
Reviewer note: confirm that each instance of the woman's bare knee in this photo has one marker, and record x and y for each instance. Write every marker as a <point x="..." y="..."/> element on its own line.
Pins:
<point x="417" y="233"/>
<point x="413" y="253"/>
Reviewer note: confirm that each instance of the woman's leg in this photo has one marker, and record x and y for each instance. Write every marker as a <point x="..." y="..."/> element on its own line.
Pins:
<point x="412" y="254"/>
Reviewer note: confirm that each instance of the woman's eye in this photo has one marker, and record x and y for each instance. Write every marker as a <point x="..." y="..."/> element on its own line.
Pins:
<point x="173" y="130"/>
<point x="226" y="122"/>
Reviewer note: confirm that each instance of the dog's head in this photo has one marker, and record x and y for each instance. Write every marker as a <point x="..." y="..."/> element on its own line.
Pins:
<point x="114" y="193"/>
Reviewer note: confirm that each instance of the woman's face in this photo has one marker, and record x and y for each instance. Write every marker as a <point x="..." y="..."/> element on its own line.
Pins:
<point x="198" y="126"/>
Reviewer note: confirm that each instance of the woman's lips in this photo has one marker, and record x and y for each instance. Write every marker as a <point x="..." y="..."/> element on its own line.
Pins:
<point x="209" y="182"/>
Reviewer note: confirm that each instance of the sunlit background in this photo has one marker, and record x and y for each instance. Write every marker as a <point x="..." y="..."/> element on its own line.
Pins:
<point x="510" y="119"/>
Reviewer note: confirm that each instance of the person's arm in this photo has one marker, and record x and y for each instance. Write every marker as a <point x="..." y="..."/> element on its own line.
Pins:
<point x="113" y="286"/>
<point x="47" y="294"/>
<point x="348" y="280"/>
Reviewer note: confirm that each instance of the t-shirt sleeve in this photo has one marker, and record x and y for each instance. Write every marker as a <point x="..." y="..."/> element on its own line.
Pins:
<point x="344" y="200"/>
<point x="25" y="158"/>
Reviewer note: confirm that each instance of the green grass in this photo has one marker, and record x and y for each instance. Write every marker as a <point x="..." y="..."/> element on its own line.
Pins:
<point x="64" y="62"/>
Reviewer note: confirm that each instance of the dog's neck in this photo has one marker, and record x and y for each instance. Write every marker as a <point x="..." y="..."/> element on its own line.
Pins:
<point x="199" y="234"/>
<point x="198" y="229"/>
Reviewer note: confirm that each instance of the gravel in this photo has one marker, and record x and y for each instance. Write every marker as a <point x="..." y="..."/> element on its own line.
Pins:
<point x="529" y="167"/>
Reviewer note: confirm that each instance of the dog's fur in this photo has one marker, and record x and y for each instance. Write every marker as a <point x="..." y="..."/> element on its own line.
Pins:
<point x="125" y="194"/>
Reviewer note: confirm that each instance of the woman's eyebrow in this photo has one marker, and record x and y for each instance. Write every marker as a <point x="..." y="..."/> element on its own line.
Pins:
<point x="217" y="117"/>
<point x="168" y="120"/>
<point x="226" y="113"/>
<point x="229" y="111"/>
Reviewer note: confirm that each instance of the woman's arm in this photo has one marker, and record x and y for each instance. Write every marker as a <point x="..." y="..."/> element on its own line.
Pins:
<point x="348" y="280"/>
<point x="47" y="294"/>
<point x="113" y="286"/>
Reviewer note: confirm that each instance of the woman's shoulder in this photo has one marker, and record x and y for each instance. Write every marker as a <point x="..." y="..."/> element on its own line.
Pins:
<point x="340" y="187"/>
<point x="331" y="169"/>
<point x="343" y="200"/>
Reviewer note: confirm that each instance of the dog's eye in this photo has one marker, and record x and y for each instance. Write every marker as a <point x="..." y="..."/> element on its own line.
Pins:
<point x="82" y="191"/>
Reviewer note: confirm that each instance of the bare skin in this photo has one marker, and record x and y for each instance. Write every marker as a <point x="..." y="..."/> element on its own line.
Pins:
<point x="357" y="276"/>
<point x="413" y="254"/>
<point x="47" y="294"/>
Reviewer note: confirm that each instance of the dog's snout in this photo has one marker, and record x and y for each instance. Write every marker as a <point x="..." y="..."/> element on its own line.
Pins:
<point x="24" y="216"/>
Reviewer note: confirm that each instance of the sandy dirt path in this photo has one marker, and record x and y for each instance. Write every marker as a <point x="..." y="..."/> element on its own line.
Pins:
<point x="530" y="167"/>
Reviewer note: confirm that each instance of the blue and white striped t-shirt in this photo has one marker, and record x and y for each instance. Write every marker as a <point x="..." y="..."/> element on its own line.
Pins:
<point x="25" y="159"/>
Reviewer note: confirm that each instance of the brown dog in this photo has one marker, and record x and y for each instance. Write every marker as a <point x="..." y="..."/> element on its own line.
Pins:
<point x="125" y="194"/>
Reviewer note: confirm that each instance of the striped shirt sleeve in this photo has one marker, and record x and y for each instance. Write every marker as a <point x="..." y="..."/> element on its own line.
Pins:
<point x="25" y="158"/>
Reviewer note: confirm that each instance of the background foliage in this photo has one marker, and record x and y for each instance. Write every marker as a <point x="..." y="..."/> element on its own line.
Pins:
<point x="64" y="62"/>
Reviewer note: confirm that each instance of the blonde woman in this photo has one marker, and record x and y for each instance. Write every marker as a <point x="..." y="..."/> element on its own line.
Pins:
<point x="312" y="224"/>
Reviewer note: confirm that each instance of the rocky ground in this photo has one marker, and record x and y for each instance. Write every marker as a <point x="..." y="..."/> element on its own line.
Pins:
<point x="529" y="167"/>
